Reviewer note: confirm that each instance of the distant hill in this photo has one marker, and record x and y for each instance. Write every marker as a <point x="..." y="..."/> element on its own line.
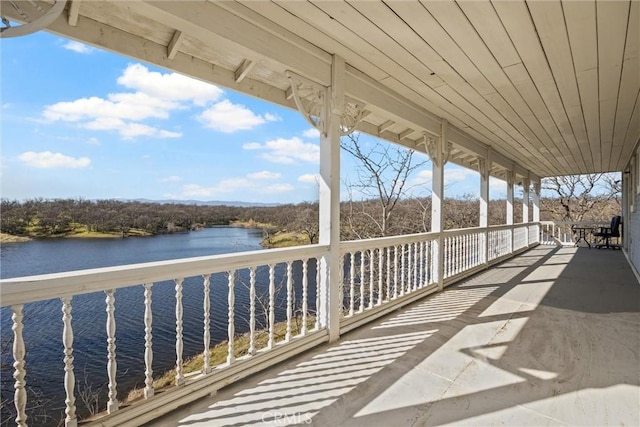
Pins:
<point x="204" y="203"/>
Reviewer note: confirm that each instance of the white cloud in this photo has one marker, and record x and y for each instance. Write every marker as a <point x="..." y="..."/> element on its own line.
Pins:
<point x="459" y="174"/>
<point x="131" y="106"/>
<point x="272" y="117"/>
<point x="421" y="179"/>
<point x="252" y="146"/>
<point x="172" y="178"/>
<point x="309" y="178"/>
<point x="278" y="188"/>
<point x="130" y="130"/>
<point x="228" y="117"/>
<point x="78" y="47"/>
<point x="249" y="184"/>
<point x="156" y="96"/>
<point x="311" y="133"/>
<point x="93" y="141"/>
<point x="264" y="175"/>
<point x="288" y="151"/>
<point x="170" y="86"/>
<point x="48" y="160"/>
<point x="497" y="188"/>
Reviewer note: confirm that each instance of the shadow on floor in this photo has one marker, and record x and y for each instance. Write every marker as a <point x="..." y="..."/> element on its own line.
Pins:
<point x="548" y="338"/>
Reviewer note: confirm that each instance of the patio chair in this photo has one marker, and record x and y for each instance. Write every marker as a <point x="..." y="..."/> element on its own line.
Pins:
<point x="606" y="233"/>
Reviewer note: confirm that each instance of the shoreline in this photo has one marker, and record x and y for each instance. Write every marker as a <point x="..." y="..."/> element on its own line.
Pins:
<point x="10" y="238"/>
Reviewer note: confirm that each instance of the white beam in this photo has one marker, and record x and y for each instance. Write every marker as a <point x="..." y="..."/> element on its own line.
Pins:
<point x="207" y="21"/>
<point x="243" y="70"/>
<point x="106" y="37"/>
<point x="380" y="99"/>
<point x="74" y="12"/>
<point x="386" y="125"/>
<point x="174" y="44"/>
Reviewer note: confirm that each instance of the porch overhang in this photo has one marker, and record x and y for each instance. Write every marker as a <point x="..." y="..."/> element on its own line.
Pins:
<point x="549" y="88"/>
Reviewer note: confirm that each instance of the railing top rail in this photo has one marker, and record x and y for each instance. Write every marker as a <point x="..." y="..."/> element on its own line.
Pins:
<point x="382" y="242"/>
<point x="21" y="290"/>
<point x="507" y="226"/>
<point x="579" y="223"/>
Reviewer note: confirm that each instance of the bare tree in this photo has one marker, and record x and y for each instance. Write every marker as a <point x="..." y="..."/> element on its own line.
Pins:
<point x="580" y="197"/>
<point x="383" y="173"/>
<point x="306" y="220"/>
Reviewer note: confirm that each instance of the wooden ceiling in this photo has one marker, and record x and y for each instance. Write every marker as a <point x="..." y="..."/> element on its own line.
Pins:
<point x="550" y="85"/>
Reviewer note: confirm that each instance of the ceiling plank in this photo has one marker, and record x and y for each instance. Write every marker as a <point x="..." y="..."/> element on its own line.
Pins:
<point x="581" y="28"/>
<point x="456" y="24"/>
<point x="275" y="13"/>
<point x="610" y="58"/>
<point x="518" y="23"/>
<point x="629" y="85"/>
<point x="549" y="20"/>
<point x="337" y="17"/>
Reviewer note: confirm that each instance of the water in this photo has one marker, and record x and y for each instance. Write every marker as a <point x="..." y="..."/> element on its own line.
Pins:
<point x="43" y="320"/>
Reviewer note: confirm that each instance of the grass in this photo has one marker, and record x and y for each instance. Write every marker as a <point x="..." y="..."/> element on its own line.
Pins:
<point x="218" y="353"/>
<point x="283" y="239"/>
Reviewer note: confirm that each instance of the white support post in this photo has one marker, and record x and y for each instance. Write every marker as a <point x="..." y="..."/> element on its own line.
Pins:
<point x="329" y="230"/>
<point x="526" y="184"/>
<point x="536" y="201"/>
<point x="438" y="150"/>
<point x="510" y="182"/>
<point x="484" y="168"/>
<point x="536" y="208"/>
<point x="525" y="200"/>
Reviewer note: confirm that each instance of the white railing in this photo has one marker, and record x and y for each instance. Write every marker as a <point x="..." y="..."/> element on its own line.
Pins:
<point x="269" y="269"/>
<point x="378" y="271"/>
<point x="500" y="241"/>
<point x="464" y="249"/>
<point x="377" y="275"/>
<point x="381" y="274"/>
<point x="562" y="232"/>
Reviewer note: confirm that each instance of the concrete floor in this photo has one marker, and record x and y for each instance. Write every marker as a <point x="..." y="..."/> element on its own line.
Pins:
<point x="551" y="337"/>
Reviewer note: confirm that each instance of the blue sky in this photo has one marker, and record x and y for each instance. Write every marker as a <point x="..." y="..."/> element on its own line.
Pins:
<point x="82" y="122"/>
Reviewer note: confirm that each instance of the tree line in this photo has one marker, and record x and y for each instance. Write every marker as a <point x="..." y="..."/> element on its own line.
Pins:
<point x="360" y="219"/>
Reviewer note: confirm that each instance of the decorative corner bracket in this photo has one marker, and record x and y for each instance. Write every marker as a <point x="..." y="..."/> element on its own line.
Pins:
<point x="310" y="98"/>
<point x="432" y="146"/>
<point x="353" y="114"/>
<point x="32" y="23"/>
